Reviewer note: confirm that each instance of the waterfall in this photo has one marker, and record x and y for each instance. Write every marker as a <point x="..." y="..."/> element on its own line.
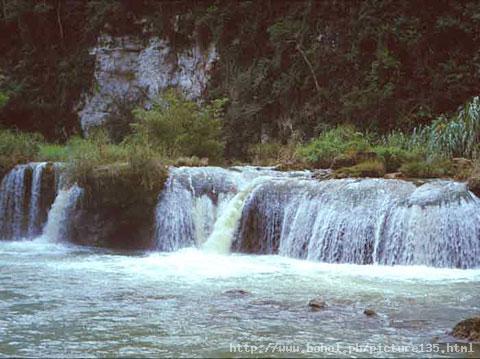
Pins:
<point x="33" y="215"/>
<point x="26" y="193"/>
<point x="202" y="206"/>
<point x="263" y="211"/>
<point x="189" y="205"/>
<point x="437" y="225"/>
<point x="57" y="226"/>
<point x="221" y="237"/>
<point x="364" y="221"/>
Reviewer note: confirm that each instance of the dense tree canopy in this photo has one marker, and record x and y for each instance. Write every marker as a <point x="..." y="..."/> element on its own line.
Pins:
<point x="286" y="66"/>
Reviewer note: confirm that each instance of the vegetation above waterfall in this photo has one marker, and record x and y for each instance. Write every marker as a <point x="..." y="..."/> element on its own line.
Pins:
<point x="181" y="132"/>
<point x="369" y="85"/>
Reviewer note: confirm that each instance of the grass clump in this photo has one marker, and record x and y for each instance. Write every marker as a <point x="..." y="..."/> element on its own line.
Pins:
<point x="394" y="157"/>
<point x="97" y="160"/>
<point x="370" y="168"/>
<point x="52" y="152"/>
<point x="425" y="168"/>
<point x="342" y="140"/>
<point x="457" y="136"/>
<point x="17" y="147"/>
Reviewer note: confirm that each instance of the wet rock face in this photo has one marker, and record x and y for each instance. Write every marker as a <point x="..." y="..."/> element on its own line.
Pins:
<point x="130" y="70"/>
<point x="116" y="211"/>
<point x="468" y="329"/>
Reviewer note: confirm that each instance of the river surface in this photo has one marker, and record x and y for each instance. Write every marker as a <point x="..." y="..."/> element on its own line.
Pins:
<point x="59" y="300"/>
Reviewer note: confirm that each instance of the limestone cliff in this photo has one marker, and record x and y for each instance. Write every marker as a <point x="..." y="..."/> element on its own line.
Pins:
<point x="131" y="70"/>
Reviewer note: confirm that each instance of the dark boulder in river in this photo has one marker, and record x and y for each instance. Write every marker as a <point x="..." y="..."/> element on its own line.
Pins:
<point x="317" y="304"/>
<point x="468" y="329"/>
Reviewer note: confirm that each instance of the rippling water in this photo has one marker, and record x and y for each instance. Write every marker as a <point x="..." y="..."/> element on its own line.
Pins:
<point x="59" y="300"/>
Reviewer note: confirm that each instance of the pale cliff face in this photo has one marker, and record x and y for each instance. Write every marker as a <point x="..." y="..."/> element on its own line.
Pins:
<point x="129" y="69"/>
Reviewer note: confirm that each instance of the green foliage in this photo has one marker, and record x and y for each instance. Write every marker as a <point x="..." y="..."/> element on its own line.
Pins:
<point x="332" y="143"/>
<point x="52" y="152"/>
<point x="4" y="97"/>
<point x="428" y="168"/>
<point x="17" y="147"/>
<point x="370" y="168"/>
<point x="179" y="127"/>
<point x="85" y="155"/>
<point x="394" y="156"/>
<point x="455" y="136"/>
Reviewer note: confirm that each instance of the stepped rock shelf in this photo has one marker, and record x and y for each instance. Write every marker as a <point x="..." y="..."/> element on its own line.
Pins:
<point x="253" y="210"/>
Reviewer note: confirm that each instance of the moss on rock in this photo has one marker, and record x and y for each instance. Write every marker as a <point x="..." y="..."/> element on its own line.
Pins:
<point x="370" y="168"/>
<point x="468" y="329"/>
<point x="118" y="206"/>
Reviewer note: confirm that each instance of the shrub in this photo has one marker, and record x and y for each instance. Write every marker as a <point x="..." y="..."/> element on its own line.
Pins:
<point x="17" y="147"/>
<point x="177" y="127"/>
<point x="427" y="168"/>
<point x="86" y="154"/>
<point x="394" y="157"/>
<point x="332" y="143"/>
<point x="273" y="153"/>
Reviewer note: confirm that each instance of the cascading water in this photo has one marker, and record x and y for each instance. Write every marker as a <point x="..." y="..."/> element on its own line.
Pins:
<point x="59" y="217"/>
<point x="26" y="194"/>
<point x="364" y="221"/>
<point x="203" y="205"/>
<point x="33" y="216"/>
<point x="437" y="225"/>
<point x="189" y="205"/>
<point x="259" y="210"/>
<point x="361" y="221"/>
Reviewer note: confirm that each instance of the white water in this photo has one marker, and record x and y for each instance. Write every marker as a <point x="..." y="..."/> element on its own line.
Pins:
<point x="221" y="237"/>
<point x="57" y="226"/>
<point x="68" y="301"/>
<point x="199" y="201"/>
<point x="62" y="300"/>
<point x="35" y="199"/>
<point x="364" y="221"/>
<point x="23" y="203"/>
<point x="360" y="221"/>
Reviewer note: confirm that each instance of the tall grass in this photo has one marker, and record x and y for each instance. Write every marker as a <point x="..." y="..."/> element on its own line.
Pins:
<point x="457" y="136"/>
<point x="17" y="147"/>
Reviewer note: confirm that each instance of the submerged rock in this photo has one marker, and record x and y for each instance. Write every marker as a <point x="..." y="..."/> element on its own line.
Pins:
<point x="237" y="292"/>
<point x="468" y="329"/>
<point x="317" y="304"/>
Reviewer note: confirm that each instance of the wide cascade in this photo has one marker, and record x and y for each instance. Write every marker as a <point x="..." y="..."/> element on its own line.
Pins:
<point x="364" y="221"/>
<point x="263" y="211"/>
<point x="195" y="199"/>
<point x="361" y="221"/>
<point x="26" y="194"/>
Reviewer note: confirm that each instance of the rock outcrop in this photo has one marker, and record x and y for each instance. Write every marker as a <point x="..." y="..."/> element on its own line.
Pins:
<point x="131" y="70"/>
<point x="116" y="210"/>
